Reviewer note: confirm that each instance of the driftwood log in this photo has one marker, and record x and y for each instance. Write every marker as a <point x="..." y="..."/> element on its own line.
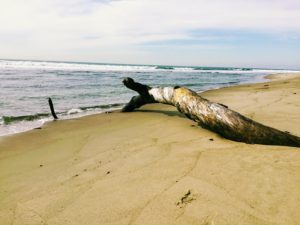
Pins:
<point x="209" y="115"/>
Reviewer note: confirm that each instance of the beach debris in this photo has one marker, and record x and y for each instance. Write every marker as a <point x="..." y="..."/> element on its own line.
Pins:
<point x="209" y="115"/>
<point x="108" y="172"/>
<point x="211" y="139"/>
<point x="76" y="175"/>
<point x="52" y="109"/>
<point x="186" y="198"/>
<point x="41" y="165"/>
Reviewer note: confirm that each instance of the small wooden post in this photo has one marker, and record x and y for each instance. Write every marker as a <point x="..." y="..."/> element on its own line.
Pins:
<point x="52" y="109"/>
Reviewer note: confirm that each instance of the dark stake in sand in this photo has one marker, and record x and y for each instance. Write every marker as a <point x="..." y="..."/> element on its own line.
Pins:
<point x="52" y="109"/>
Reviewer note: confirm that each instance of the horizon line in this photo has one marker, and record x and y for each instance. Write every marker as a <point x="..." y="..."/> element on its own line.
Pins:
<point x="132" y="64"/>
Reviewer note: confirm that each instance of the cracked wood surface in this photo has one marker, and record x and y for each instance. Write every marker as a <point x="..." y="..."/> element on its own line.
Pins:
<point x="210" y="115"/>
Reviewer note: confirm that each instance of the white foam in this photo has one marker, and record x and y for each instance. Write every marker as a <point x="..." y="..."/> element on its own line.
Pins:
<point x="23" y="126"/>
<point x="7" y="64"/>
<point x="253" y="71"/>
<point x="44" y="65"/>
<point x="74" y="111"/>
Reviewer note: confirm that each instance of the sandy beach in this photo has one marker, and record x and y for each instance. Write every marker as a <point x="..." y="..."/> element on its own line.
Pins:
<point x="154" y="166"/>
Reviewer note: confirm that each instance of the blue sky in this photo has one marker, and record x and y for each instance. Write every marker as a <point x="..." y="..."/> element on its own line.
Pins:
<point x="254" y="33"/>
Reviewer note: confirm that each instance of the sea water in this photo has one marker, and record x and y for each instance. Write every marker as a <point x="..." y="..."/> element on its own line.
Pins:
<point x="79" y="89"/>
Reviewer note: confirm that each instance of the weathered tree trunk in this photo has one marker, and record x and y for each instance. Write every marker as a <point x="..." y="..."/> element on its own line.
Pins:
<point x="212" y="116"/>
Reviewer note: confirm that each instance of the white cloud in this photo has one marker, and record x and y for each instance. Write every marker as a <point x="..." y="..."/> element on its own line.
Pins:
<point x="49" y="27"/>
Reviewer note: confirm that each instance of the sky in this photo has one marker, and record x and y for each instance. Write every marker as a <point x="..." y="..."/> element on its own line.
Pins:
<point x="237" y="33"/>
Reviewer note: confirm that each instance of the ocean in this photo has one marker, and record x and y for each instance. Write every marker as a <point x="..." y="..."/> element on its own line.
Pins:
<point x="79" y="89"/>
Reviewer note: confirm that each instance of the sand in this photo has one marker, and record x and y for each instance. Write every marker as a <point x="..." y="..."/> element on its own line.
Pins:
<point x="154" y="166"/>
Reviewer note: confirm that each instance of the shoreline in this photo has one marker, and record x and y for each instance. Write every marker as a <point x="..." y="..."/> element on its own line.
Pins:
<point x="154" y="166"/>
<point x="29" y="125"/>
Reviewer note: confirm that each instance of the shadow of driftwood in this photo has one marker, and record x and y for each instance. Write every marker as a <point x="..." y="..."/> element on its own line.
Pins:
<point x="166" y="112"/>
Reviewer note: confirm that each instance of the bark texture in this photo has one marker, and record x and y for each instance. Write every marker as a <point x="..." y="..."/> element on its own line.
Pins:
<point x="212" y="116"/>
